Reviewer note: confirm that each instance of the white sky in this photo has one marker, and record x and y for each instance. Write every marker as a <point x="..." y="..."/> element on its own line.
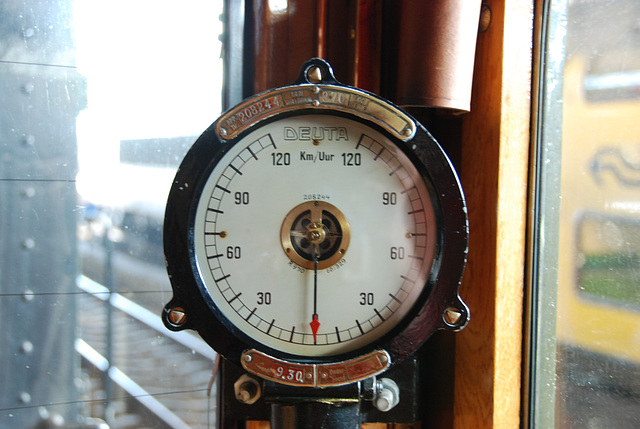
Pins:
<point x="152" y="66"/>
<point x="153" y="69"/>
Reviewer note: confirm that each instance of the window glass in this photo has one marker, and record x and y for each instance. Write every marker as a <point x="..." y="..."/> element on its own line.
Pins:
<point x="594" y="239"/>
<point x="99" y="104"/>
<point x="608" y="259"/>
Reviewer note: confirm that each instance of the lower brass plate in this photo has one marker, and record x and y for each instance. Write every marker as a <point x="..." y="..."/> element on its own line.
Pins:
<point x="315" y="375"/>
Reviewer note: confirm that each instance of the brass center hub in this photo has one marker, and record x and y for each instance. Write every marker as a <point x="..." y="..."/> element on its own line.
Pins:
<point x="315" y="230"/>
<point x="316" y="233"/>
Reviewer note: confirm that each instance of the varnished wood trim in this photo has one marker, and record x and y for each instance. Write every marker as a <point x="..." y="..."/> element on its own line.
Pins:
<point x="493" y="171"/>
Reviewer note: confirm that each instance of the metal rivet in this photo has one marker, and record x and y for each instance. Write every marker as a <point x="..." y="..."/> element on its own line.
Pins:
<point x="26" y="347"/>
<point x="28" y="88"/>
<point x="315" y="103"/>
<point x="29" y="140"/>
<point x="248" y="358"/>
<point x="25" y="398"/>
<point x="28" y="295"/>
<point x="29" y="243"/>
<point x="43" y="413"/>
<point x="56" y="420"/>
<point x="29" y="192"/>
<point x="223" y="131"/>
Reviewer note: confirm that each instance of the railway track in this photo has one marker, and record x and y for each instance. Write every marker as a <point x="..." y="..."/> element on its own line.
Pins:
<point x="137" y="373"/>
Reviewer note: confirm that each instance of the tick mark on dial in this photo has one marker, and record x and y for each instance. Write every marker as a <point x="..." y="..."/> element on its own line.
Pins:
<point x="223" y="188"/>
<point x="225" y="277"/>
<point x="407" y="190"/>
<point x="272" y="142"/>
<point x="252" y="154"/>
<point x="222" y="234"/>
<point x="359" y="327"/>
<point x="395" y="169"/>
<point x="395" y="299"/>
<point x="235" y="297"/>
<point x="379" y="315"/>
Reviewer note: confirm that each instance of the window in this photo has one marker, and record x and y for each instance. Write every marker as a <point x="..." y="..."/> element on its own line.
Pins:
<point x="99" y="105"/>
<point x="585" y="267"/>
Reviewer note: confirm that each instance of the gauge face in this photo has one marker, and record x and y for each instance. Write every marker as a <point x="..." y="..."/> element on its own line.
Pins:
<point x="314" y="235"/>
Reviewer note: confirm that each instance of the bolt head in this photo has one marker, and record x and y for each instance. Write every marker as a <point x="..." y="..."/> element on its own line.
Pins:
<point x="177" y="316"/>
<point x="452" y="316"/>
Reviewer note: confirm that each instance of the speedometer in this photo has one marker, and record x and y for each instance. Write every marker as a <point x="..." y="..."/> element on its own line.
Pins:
<point x="316" y="234"/>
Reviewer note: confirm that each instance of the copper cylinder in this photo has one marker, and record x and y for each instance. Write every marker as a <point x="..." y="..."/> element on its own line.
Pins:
<point x="284" y="34"/>
<point x="367" y="24"/>
<point x="435" y="52"/>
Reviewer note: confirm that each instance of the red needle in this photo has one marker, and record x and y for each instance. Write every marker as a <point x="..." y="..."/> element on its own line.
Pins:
<point x="314" y="327"/>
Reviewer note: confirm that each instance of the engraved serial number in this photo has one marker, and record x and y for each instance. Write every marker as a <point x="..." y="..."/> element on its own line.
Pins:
<point x="357" y="102"/>
<point x="336" y="266"/>
<point x="316" y="197"/>
<point x="253" y="110"/>
<point x="296" y="267"/>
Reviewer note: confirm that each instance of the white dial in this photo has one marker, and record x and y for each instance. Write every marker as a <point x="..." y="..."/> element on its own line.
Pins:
<point x="314" y="235"/>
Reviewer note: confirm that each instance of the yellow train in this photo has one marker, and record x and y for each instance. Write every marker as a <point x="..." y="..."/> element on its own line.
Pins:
<point x="599" y="243"/>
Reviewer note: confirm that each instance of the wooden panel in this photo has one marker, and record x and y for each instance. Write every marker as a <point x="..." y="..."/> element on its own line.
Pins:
<point x="493" y="170"/>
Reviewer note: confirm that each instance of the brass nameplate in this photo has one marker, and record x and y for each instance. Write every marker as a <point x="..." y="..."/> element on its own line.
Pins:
<point x="315" y="375"/>
<point x="320" y="97"/>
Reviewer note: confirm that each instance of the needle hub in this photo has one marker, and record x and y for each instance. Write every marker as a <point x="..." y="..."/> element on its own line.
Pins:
<point x="315" y="232"/>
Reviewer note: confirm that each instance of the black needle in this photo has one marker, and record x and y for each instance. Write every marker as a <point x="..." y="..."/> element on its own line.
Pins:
<point x="315" y="280"/>
<point x="315" y="324"/>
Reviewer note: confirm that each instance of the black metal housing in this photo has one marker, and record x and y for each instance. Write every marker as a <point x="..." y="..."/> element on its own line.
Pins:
<point x="427" y="316"/>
